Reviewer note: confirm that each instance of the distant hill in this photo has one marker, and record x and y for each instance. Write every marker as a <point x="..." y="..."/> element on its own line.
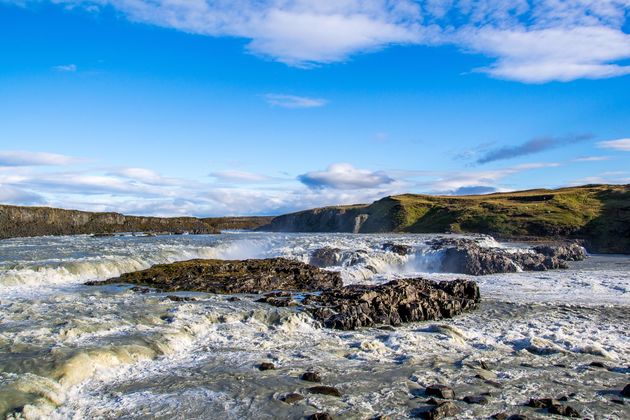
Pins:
<point x="599" y="214"/>
<point x="20" y="221"/>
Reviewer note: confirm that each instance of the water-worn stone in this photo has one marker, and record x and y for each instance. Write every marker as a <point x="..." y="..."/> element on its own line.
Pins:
<point x="320" y="416"/>
<point x="311" y="377"/>
<point x="542" y="402"/>
<point x="232" y="277"/>
<point x="291" y="398"/>
<point x="325" y="390"/>
<point x="393" y="303"/>
<point x="445" y="409"/>
<point x="466" y="256"/>
<point x="476" y="399"/>
<point x="398" y="248"/>
<point x="266" y="366"/>
<point x="440" y="391"/>
<point x="563" y="410"/>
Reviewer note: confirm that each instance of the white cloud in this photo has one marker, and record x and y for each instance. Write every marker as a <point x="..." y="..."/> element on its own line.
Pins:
<point x="67" y="68"/>
<point x="10" y="195"/>
<point x="24" y="158"/>
<point x="343" y="176"/>
<point x="531" y="41"/>
<point x="292" y="101"/>
<point x="236" y="176"/>
<point x="621" y="144"/>
<point x="591" y="159"/>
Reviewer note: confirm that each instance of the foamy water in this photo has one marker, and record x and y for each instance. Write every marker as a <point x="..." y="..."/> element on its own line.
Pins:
<point x="72" y="351"/>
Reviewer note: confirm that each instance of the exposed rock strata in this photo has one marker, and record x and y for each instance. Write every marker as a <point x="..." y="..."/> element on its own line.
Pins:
<point x="231" y="277"/>
<point x="466" y="256"/>
<point x="336" y="306"/>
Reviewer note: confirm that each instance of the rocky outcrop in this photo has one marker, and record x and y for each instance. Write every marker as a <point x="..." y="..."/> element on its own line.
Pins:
<point x="466" y="256"/>
<point x="393" y="303"/>
<point x="16" y="221"/>
<point x="231" y="277"/>
<point x="330" y="257"/>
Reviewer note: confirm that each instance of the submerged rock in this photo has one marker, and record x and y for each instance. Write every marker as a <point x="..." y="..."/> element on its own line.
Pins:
<point x="266" y="366"/>
<point x="626" y="391"/>
<point x="232" y="277"/>
<point x="326" y="257"/>
<point x="444" y="409"/>
<point x="320" y="416"/>
<point x="291" y="398"/>
<point x="476" y="399"/>
<point x="325" y="390"/>
<point x="466" y="256"/>
<point x="311" y="377"/>
<point x="398" y="248"/>
<point x="393" y="303"/>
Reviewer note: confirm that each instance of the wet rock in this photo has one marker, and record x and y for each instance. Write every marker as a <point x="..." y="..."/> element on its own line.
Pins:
<point x="440" y="391"/>
<point x="499" y="416"/>
<point x="291" y="398"/>
<point x="142" y="290"/>
<point x="181" y="298"/>
<point x="618" y="401"/>
<point x="325" y="390"/>
<point x="398" y="248"/>
<point x="626" y="391"/>
<point x="266" y="366"/>
<point x="432" y="401"/>
<point x="326" y="257"/>
<point x="445" y="409"/>
<point x="476" y="399"/>
<point x="466" y="256"/>
<point x="494" y="384"/>
<point x="311" y="377"/>
<point x="320" y="416"/>
<point x="563" y="410"/>
<point x="597" y="364"/>
<point x="542" y="402"/>
<point x="234" y="299"/>
<point x="517" y="417"/>
<point x="393" y="303"/>
<point x="484" y="365"/>
<point x="232" y="277"/>
<point x="485" y="374"/>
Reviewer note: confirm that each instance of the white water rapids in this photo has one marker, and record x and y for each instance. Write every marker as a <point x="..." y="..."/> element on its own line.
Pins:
<point x="73" y="351"/>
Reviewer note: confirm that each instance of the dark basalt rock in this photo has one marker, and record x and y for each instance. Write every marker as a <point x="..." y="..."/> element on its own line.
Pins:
<point x="291" y="398"/>
<point x="542" y="402"/>
<point x="626" y="391"/>
<point x="445" y="409"/>
<point x="398" y="248"/>
<point x="440" y="391"/>
<point x="466" y="256"/>
<point x="320" y="416"/>
<point x="325" y="390"/>
<point x="311" y="377"/>
<point x="393" y="303"/>
<point x="476" y="399"/>
<point x="266" y="366"/>
<point x="326" y="257"/>
<point x="232" y="277"/>
<point x="563" y="410"/>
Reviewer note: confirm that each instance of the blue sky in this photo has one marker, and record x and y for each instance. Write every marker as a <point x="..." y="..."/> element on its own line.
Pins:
<point x="263" y="107"/>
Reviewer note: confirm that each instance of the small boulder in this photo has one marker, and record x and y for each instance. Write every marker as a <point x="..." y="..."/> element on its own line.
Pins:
<point x="440" y="391"/>
<point x="311" y="377"/>
<point x="476" y="399"/>
<point x="398" y="248"/>
<point x="542" y="402"/>
<point x="499" y="416"/>
<point x="445" y="409"/>
<point x="291" y="398"/>
<point x="266" y="366"/>
<point x="320" y="416"/>
<point x="563" y="410"/>
<point x="325" y="390"/>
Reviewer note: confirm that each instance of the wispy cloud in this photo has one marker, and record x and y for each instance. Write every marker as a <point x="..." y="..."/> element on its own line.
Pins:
<point x="236" y="176"/>
<point x="344" y="176"/>
<point x="592" y="159"/>
<point x="24" y="158"/>
<point x="530" y="147"/>
<point x="67" y="68"/>
<point x="620" y="144"/>
<point x="292" y="101"/>
<point x="533" y="41"/>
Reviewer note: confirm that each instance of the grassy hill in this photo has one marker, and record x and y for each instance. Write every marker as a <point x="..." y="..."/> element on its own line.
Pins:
<point x="599" y="214"/>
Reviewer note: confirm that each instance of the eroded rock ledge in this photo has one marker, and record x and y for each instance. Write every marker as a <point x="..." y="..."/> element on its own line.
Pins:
<point x="231" y="276"/>
<point x="466" y="256"/>
<point x="319" y="292"/>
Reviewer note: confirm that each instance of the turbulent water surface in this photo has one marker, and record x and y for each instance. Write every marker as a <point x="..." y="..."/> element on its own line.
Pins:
<point x="73" y="351"/>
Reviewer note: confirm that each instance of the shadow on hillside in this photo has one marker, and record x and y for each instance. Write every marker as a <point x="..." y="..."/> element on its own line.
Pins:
<point x="610" y="231"/>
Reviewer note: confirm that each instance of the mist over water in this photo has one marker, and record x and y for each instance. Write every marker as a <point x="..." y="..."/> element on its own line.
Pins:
<point x="69" y="350"/>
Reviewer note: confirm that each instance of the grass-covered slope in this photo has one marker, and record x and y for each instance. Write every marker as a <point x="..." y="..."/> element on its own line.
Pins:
<point x="600" y="214"/>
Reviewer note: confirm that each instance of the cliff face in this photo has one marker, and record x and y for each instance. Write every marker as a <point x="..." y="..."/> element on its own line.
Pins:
<point x="16" y="221"/>
<point x="599" y="214"/>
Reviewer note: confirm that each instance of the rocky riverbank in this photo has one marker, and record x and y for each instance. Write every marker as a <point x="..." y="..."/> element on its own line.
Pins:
<point x="289" y="283"/>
